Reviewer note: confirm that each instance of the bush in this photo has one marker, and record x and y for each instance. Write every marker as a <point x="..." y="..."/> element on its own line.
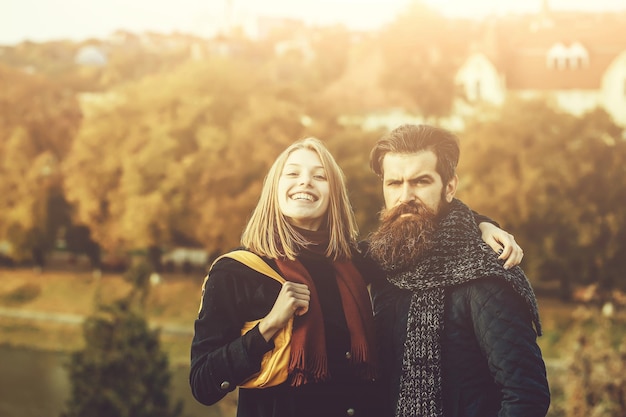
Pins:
<point x="596" y="375"/>
<point x="122" y="370"/>
<point x="22" y="294"/>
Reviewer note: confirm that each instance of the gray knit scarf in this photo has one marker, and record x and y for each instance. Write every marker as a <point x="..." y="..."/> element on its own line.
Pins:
<point x="459" y="256"/>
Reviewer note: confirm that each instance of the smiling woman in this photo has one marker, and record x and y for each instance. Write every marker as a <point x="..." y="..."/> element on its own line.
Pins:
<point x="303" y="190"/>
<point x="302" y="228"/>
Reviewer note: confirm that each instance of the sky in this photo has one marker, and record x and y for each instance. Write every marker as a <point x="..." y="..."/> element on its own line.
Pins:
<point x="46" y="20"/>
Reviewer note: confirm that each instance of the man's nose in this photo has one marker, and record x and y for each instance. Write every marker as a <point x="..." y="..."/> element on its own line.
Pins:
<point x="407" y="194"/>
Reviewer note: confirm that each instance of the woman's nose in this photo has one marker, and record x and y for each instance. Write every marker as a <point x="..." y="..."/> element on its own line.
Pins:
<point x="305" y="179"/>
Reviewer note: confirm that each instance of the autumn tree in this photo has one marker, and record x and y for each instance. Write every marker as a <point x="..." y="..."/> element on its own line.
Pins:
<point x="178" y="158"/>
<point x="51" y="59"/>
<point x="351" y="147"/>
<point x="555" y="181"/>
<point x="421" y="49"/>
<point x="139" y="56"/>
<point x="38" y="121"/>
<point x="331" y="46"/>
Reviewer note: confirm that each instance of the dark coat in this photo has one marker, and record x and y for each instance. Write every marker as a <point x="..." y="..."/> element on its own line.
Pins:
<point x="221" y="358"/>
<point x="491" y="363"/>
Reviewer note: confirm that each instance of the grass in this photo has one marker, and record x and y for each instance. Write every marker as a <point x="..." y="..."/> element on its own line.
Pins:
<point x="24" y="293"/>
<point x="174" y="302"/>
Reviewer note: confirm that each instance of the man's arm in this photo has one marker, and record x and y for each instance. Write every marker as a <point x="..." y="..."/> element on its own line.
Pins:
<point x="505" y="333"/>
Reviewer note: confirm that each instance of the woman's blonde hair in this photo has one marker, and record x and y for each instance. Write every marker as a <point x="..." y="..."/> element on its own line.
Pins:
<point x="269" y="234"/>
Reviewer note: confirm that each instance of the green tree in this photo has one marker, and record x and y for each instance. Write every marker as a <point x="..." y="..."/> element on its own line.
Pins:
<point x="78" y="241"/>
<point x="555" y="181"/>
<point x="122" y="370"/>
<point x="594" y="383"/>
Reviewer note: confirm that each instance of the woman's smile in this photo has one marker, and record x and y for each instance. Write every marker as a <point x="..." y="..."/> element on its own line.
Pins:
<point x="303" y="190"/>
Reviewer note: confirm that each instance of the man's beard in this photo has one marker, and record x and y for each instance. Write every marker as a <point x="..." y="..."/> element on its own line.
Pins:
<point x="401" y="241"/>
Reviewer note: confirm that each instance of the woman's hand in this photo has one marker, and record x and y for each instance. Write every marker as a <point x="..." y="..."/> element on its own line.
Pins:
<point x="503" y="243"/>
<point x="293" y="299"/>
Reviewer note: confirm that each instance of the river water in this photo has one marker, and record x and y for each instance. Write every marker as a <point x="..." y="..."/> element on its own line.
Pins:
<point x="35" y="384"/>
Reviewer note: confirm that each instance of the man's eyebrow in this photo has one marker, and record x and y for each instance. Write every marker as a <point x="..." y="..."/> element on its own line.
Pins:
<point x="426" y="175"/>
<point x="412" y="178"/>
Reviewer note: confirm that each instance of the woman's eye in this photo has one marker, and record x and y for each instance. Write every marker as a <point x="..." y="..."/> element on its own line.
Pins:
<point x="320" y="177"/>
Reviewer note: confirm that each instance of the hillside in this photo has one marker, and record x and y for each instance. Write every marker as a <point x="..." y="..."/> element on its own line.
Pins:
<point x="45" y="310"/>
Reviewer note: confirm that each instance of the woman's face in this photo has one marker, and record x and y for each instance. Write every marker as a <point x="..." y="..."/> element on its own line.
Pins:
<point x="303" y="190"/>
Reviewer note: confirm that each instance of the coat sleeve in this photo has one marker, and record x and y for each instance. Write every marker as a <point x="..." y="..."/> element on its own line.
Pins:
<point x="479" y="218"/>
<point x="505" y="333"/>
<point x="220" y="357"/>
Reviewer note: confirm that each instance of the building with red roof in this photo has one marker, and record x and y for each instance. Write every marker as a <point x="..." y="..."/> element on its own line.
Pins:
<point x="577" y="60"/>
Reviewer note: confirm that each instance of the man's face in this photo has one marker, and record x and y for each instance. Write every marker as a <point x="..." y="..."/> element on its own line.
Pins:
<point x="414" y="194"/>
<point x="413" y="177"/>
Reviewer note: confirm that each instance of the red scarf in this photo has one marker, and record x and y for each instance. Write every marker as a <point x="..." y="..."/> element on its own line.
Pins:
<point x="308" y="362"/>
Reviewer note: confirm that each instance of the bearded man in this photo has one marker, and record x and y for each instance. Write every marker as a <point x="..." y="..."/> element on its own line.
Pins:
<point x="457" y="329"/>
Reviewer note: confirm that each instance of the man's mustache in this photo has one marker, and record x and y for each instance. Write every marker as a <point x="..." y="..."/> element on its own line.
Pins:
<point x="410" y="207"/>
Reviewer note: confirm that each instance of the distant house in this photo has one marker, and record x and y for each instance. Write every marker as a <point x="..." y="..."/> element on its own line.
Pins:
<point x="91" y="55"/>
<point x="575" y="59"/>
<point x="186" y="258"/>
<point x="300" y="46"/>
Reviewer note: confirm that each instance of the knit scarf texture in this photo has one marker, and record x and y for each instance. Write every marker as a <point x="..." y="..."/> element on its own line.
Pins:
<point x="458" y="256"/>
<point x="308" y="361"/>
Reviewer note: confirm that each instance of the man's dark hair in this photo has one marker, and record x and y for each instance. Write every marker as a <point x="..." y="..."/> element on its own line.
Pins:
<point x="411" y="138"/>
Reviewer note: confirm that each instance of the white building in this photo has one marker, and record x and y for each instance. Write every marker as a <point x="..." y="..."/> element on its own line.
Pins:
<point x="574" y="59"/>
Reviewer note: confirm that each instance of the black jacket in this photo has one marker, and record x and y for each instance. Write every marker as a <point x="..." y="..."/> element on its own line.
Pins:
<point x="491" y="363"/>
<point x="221" y="358"/>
